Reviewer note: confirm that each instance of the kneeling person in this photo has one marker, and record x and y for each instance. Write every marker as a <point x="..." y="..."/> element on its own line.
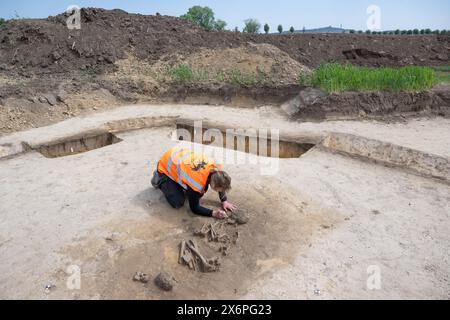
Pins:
<point x="181" y="173"/>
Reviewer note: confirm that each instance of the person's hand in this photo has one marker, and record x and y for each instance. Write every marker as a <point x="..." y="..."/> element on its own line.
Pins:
<point x="219" y="214"/>
<point x="228" y="206"/>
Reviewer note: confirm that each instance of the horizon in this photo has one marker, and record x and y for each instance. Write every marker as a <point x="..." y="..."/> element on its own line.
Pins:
<point x="403" y="15"/>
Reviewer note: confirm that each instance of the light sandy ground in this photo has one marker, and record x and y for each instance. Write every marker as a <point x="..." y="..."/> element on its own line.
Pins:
<point x="319" y="224"/>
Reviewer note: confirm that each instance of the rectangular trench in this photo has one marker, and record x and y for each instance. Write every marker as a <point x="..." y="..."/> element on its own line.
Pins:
<point x="243" y="141"/>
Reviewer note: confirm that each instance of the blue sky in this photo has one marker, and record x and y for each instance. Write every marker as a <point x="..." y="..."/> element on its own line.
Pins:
<point x="395" y="14"/>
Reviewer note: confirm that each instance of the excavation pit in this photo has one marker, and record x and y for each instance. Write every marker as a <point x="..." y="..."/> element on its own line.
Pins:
<point x="77" y="144"/>
<point x="258" y="142"/>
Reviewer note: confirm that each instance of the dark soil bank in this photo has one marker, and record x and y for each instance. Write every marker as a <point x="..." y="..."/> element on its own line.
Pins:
<point x="48" y="46"/>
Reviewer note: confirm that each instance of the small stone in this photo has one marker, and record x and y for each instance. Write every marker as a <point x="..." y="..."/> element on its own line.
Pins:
<point x="164" y="281"/>
<point x="140" y="277"/>
<point x="51" y="99"/>
<point x="240" y="217"/>
<point x="62" y="96"/>
<point x="49" y="287"/>
<point x="56" y="56"/>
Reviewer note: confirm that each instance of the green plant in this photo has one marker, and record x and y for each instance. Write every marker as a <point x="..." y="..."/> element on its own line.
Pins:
<point x="266" y="28"/>
<point x="204" y="17"/>
<point x="305" y="79"/>
<point x="336" y="78"/>
<point x="220" y="25"/>
<point x="183" y="73"/>
<point x="2" y="22"/>
<point x="280" y="29"/>
<point x="237" y="77"/>
<point x="252" y="26"/>
<point x="201" y="16"/>
<point x="89" y="75"/>
<point x="291" y="30"/>
<point x="443" y="73"/>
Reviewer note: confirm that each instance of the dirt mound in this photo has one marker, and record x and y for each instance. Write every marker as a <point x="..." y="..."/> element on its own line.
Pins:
<point x="48" y="46"/>
<point x="49" y="73"/>
<point x="249" y="59"/>
<point x="310" y="104"/>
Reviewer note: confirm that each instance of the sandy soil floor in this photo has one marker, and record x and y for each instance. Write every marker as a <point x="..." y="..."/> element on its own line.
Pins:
<point x="316" y="228"/>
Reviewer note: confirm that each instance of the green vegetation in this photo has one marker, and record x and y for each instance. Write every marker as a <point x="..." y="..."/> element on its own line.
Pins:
<point x="89" y="75"/>
<point x="182" y="73"/>
<point x="3" y="22"/>
<point x="204" y="17"/>
<point x="252" y="26"/>
<point x="337" y="78"/>
<point x="220" y="25"/>
<point x="443" y="74"/>
<point x="236" y="77"/>
<point x="403" y="32"/>
<point x="266" y="28"/>
<point x="291" y="30"/>
<point x="280" y="29"/>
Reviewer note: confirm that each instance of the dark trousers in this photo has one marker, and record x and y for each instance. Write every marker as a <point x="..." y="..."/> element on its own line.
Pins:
<point x="173" y="192"/>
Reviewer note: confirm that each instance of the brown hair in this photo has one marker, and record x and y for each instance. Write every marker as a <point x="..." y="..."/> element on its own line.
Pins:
<point x="221" y="180"/>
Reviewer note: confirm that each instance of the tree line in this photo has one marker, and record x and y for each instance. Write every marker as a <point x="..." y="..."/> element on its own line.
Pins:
<point x="403" y="32"/>
<point x="204" y="17"/>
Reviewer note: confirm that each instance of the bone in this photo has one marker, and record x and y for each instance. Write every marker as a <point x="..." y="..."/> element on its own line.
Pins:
<point x="207" y="265"/>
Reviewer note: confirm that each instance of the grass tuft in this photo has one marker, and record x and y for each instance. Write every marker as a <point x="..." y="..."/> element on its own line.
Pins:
<point x="334" y="77"/>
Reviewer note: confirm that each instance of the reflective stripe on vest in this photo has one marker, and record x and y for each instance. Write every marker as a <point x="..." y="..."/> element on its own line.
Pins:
<point x="179" y="163"/>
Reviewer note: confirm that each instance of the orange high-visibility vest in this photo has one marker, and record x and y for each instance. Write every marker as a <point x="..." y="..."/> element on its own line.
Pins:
<point x="186" y="168"/>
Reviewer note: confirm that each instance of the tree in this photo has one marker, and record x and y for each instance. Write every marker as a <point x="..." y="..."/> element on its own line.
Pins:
<point x="397" y="31"/>
<point x="220" y="25"/>
<point x="436" y="32"/>
<point x="416" y="31"/>
<point x="201" y="16"/>
<point x="368" y="32"/>
<point x="292" y="30"/>
<point x="252" y="26"/>
<point x="236" y="29"/>
<point x="352" y="31"/>
<point x="2" y="21"/>
<point x="266" y="28"/>
<point x="422" y="31"/>
<point x="427" y="31"/>
<point x="360" y="32"/>
<point x="280" y="28"/>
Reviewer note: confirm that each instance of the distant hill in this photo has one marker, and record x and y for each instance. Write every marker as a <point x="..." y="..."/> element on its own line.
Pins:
<point x="329" y="29"/>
